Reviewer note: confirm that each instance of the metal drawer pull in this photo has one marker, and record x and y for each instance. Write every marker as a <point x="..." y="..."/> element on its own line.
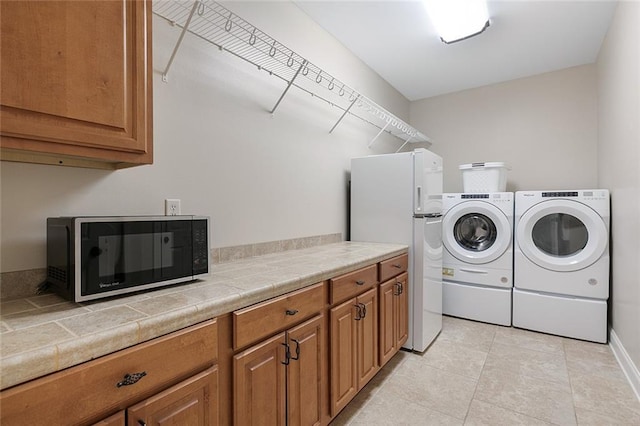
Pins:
<point x="360" y="282"/>
<point x="130" y="379"/>
<point x="399" y="289"/>
<point x="291" y="311"/>
<point x="397" y="266"/>
<point x="142" y="423"/>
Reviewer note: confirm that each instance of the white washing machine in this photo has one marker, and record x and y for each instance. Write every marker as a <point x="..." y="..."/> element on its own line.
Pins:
<point x="477" y="264"/>
<point x="561" y="263"/>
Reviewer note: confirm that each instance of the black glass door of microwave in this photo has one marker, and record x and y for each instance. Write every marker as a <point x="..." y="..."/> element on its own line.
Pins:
<point x="119" y="255"/>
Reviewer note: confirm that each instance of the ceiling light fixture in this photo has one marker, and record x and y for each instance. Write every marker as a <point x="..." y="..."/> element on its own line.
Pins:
<point x="457" y="20"/>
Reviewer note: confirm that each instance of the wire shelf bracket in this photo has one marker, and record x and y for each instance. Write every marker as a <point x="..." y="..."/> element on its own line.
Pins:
<point x="213" y="23"/>
<point x="289" y="86"/>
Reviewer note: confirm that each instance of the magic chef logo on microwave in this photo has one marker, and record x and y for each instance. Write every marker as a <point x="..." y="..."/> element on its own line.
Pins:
<point x="107" y="285"/>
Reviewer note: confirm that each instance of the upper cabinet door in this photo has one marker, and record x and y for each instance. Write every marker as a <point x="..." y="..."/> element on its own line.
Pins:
<point x="76" y="79"/>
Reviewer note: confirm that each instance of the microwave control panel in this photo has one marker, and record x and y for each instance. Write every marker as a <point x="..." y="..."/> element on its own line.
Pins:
<point x="200" y="247"/>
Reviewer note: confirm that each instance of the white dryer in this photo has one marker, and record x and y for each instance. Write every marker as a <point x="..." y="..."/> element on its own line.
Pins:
<point x="561" y="263"/>
<point x="477" y="264"/>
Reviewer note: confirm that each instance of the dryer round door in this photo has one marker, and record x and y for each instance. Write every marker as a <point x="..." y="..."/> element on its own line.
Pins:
<point x="476" y="232"/>
<point x="562" y="235"/>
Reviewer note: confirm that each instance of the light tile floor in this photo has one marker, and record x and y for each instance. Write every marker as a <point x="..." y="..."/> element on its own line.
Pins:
<point x="482" y="374"/>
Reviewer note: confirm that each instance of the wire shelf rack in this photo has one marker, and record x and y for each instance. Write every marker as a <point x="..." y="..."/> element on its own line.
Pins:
<point x="227" y="31"/>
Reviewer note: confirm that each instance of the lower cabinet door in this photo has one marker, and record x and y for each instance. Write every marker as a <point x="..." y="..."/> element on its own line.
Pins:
<point x="305" y="378"/>
<point x="394" y="316"/>
<point x="260" y="384"/>
<point x="388" y="321"/>
<point x="402" y="309"/>
<point x="191" y="402"/>
<point x="368" y="337"/>
<point x="343" y="341"/>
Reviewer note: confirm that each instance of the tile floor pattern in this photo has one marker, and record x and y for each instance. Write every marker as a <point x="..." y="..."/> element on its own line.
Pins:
<point x="482" y="374"/>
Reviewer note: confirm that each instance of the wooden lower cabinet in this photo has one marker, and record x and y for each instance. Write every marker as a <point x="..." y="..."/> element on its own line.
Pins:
<point x="305" y="378"/>
<point x="367" y="332"/>
<point x="354" y="347"/>
<point x="279" y="381"/>
<point x="192" y="402"/>
<point x="94" y="390"/>
<point x="256" y="368"/>
<point x="259" y="384"/>
<point x="394" y="316"/>
<point x="402" y="309"/>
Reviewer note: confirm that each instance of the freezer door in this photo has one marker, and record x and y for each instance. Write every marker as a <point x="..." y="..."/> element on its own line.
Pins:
<point x="427" y="182"/>
<point x="381" y="198"/>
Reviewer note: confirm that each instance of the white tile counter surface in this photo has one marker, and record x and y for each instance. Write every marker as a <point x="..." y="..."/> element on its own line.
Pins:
<point x="44" y="334"/>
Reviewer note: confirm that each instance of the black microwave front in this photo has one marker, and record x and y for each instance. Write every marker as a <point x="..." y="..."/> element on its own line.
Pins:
<point x="95" y="257"/>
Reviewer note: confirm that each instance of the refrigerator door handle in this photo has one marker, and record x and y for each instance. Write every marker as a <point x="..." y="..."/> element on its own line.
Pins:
<point x="419" y="198"/>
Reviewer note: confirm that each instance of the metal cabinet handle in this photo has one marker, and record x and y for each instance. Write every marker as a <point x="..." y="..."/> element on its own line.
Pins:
<point x="287" y="354"/>
<point x="291" y="311"/>
<point x="360" y="282"/>
<point x="142" y="423"/>
<point x="399" y="289"/>
<point x="297" y="357"/>
<point x="364" y="309"/>
<point x="130" y="379"/>
<point x="358" y="312"/>
<point x="397" y="266"/>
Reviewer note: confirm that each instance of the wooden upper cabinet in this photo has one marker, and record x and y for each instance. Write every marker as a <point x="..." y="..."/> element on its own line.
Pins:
<point x="76" y="82"/>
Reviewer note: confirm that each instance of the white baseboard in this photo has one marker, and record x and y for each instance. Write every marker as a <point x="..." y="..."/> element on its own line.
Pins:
<point x="627" y="365"/>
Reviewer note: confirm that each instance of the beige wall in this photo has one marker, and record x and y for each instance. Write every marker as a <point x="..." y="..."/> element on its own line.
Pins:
<point x="259" y="177"/>
<point x="619" y="164"/>
<point x="544" y="127"/>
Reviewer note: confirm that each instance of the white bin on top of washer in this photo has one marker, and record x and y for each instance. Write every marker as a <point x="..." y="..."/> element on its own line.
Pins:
<point x="484" y="177"/>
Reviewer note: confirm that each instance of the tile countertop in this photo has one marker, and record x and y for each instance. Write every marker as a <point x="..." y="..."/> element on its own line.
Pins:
<point x="44" y="334"/>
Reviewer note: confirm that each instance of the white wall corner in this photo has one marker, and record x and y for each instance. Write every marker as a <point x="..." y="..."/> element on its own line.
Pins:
<point x="628" y="367"/>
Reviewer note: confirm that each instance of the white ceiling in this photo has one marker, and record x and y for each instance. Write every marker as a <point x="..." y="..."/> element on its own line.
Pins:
<point x="396" y="39"/>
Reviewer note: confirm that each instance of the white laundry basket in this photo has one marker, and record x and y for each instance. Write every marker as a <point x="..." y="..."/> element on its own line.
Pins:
<point x="484" y="177"/>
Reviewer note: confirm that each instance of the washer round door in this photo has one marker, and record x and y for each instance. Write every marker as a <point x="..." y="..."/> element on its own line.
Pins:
<point x="476" y="232"/>
<point x="562" y="235"/>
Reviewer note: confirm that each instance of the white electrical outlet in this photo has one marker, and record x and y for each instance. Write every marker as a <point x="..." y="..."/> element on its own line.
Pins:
<point x="171" y="207"/>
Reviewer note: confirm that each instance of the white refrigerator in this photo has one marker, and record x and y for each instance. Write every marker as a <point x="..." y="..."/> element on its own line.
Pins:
<point x="397" y="198"/>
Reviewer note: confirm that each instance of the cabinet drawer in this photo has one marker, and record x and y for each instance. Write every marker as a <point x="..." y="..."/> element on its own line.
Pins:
<point x="90" y="391"/>
<point x="264" y="319"/>
<point x="394" y="266"/>
<point x="353" y="283"/>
